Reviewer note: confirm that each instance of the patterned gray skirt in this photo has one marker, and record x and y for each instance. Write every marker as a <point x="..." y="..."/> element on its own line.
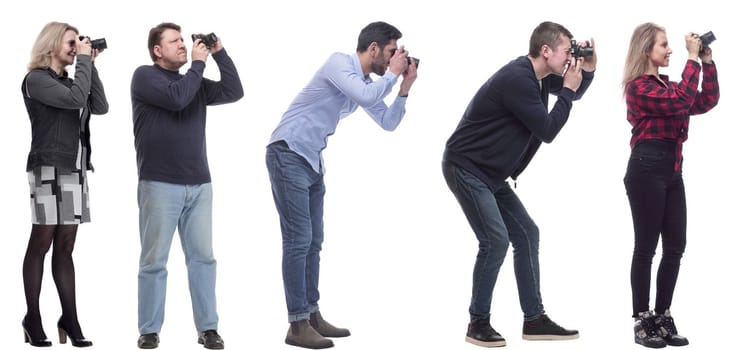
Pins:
<point x="58" y="197"/>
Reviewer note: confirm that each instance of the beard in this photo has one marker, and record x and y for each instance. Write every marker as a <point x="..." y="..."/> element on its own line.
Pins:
<point x="378" y="66"/>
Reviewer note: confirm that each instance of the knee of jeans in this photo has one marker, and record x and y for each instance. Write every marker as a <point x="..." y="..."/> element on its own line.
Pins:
<point x="530" y="239"/>
<point x="152" y="265"/>
<point x="496" y="247"/>
<point x="643" y="255"/>
<point x="200" y="255"/>
<point x="672" y="253"/>
<point x="301" y="246"/>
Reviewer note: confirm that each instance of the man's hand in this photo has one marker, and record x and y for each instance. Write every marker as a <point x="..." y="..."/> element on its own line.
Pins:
<point x="410" y="75"/>
<point x="199" y="51"/>
<point x="572" y="76"/>
<point x="216" y="47"/>
<point x="590" y="63"/>
<point x="398" y="61"/>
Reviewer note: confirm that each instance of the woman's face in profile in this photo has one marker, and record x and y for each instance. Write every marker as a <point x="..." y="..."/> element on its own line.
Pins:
<point x="659" y="55"/>
<point x="66" y="52"/>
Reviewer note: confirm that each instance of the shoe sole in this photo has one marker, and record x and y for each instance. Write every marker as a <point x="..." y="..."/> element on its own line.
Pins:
<point x="677" y="343"/>
<point x="549" y="337"/>
<point x="215" y="347"/>
<point x="652" y="346"/>
<point x="291" y="342"/>
<point x="333" y="335"/>
<point x="486" y="344"/>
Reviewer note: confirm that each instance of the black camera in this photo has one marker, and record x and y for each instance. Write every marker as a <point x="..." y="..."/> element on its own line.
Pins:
<point x="97" y="44"/>
<point x="208" y="39"/>
<point x="706" y="39"/>
<point x="579" y="51"/>
<point x="416" y="60"/>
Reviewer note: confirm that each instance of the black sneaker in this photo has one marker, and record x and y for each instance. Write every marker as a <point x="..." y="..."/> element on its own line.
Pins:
<point x="646" y="331"/>
<point x="667" y="330"/>
<point x="480" y="333"/>
<point x="148" y="341"/>
<point x="543" y="328"/>
<point x="210" y="339"/>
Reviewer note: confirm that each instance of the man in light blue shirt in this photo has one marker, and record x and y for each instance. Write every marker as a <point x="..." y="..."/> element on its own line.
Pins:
<point x="294" y="161"/>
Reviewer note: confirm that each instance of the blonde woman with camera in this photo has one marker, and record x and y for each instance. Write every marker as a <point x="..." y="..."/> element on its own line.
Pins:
<point x="59" y="109"/>
<point x="659" y="111"/>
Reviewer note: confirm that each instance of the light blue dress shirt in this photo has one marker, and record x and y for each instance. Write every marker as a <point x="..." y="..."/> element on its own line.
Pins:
<point x="336" y="91"/>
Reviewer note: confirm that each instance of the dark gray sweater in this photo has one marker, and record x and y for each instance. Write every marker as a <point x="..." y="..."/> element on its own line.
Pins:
<point x="169" y="112"/>
<point x="508" y="119"/>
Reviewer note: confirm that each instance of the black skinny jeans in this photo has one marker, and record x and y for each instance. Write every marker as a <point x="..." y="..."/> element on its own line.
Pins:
<point x="657" y="202"/>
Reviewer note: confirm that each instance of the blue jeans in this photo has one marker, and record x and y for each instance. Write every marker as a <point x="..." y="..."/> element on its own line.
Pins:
<point x="659" y="208"/>
<point x="298" y="192"/>
<point x="162" y="208"/>
<point x="497" y="217"/>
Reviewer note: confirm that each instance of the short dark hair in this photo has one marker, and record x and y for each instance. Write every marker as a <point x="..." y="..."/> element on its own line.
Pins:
<point x="379" y="32"/>
<point x="155" y="36"/>
<point x="547" y="33"/>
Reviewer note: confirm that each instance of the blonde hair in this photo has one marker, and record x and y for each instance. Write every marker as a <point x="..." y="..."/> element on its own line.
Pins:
<point x="49" y="40"/>
<point x="641" y="44"/>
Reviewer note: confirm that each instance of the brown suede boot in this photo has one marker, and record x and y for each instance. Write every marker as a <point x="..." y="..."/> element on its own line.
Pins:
<point x="325" y="328"/>
<point x="300" y="333"/>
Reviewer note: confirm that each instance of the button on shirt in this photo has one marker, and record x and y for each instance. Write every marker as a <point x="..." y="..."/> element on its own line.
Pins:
<point x="336" y="91"/>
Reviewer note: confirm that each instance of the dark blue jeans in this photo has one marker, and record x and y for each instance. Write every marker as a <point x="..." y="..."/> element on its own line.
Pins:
<point x="298" y="192"/>
<point x="497" y="217"/>
<point x="658" y="204"/>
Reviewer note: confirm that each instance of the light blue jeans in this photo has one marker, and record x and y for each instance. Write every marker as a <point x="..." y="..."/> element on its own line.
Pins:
<point x="162" y="208"/>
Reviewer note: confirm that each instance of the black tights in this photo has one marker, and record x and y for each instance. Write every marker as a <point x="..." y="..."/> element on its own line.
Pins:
<point x="62" y="238"/>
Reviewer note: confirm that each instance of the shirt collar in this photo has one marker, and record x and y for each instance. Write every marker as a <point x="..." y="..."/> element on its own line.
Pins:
<point x="359" y="69"/>
<point x="54" y="73"/>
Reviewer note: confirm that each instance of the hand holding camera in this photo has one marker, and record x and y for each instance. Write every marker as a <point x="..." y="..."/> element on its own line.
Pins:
<point x="83" y="47"/>
<point x="95" y="46"/>
<point x="209" y="40"/>
<point x="408" y="58"/>
<point x="693" y="45"/>
<point x="706" y="53"/>
<point x="572" y="76"/>
<point x="586" y="51"/>
<point x="579" y="51"/>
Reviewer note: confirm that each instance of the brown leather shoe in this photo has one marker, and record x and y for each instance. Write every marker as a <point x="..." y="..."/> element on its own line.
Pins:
<point x="325" y="328"/>
<point x="300" y="333"/>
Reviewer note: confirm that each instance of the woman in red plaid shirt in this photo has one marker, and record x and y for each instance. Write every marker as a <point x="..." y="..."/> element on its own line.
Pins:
<point x="659" y="111"/>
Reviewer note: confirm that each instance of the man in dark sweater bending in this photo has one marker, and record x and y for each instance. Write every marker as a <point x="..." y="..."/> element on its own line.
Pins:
<point x="174" y="180"/>
<point x="499" y="133"/>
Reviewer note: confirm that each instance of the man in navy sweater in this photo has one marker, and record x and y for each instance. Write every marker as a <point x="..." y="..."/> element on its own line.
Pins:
<point x="499" y="133"/>
<point x="174" y="180"/>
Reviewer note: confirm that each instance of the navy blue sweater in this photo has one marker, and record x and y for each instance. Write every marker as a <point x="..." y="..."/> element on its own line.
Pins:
<point x="169" y="112"/>
<point x="508" y="119"/>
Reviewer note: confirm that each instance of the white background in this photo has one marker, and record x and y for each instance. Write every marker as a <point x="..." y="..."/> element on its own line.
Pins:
<point x="398" y="253"/>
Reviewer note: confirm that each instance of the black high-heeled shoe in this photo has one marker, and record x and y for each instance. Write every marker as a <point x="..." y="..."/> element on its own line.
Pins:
<point x="64" y="332"/>
<point x="40" y="342"/>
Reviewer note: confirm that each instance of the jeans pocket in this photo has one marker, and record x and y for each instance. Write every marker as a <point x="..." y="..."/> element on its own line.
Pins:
<point x="650" y="161"/>
<point x="649" y="155"/>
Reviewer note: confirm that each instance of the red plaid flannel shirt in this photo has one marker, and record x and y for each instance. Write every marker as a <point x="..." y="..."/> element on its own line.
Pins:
<point x="659" y="110"/>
